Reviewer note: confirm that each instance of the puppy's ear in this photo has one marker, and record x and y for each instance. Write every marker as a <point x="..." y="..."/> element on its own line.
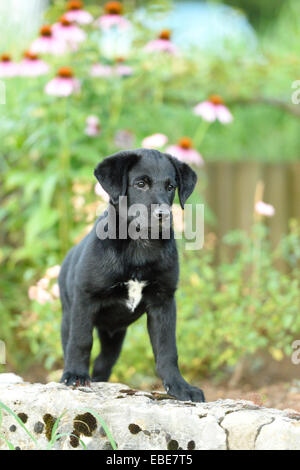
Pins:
<point x="112" y="173"/>
<point x="186" y="178"/>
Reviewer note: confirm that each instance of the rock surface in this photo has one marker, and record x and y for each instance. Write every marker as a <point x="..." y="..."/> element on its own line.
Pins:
<point x="138" y="420"/>
<point x="10" y="378"/>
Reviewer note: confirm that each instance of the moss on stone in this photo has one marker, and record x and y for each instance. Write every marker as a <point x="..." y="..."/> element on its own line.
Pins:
<point x="23" y="417"/>
<point x="173" y="445"/>
<point x="49" y="421"/>
<point x="134" y="428"/>
<point x="85" y="424"/>
<point x="191" y="445"/>
<point x="74" y="438"/>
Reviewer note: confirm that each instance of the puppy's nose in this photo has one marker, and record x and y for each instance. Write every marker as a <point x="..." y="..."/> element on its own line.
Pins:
<point x="161" y="213"/>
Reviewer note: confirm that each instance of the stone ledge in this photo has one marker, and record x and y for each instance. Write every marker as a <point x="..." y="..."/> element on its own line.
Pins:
<point x="140" y="420"/>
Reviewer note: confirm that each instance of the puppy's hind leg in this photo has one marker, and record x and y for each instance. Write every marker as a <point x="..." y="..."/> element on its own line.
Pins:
<point x="65" y="322"/>
<point x="65" y="328"/>
<point x="66" y="308"/>
<point x="111" y="346"/>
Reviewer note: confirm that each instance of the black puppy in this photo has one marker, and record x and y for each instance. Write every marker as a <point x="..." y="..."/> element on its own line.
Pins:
<point x="108" y="283"/>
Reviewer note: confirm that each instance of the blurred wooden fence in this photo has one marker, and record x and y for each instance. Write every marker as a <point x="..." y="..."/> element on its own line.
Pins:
<point x="231" y="189"/>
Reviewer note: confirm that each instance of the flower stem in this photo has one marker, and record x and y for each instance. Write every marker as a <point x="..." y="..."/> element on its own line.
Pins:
<point x="116" y="104"/>
<point x="64" y="193"/>
<point x="200" y="133"/>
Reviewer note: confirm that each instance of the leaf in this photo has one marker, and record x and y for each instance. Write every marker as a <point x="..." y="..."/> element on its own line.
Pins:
<point x="47" y="190"/>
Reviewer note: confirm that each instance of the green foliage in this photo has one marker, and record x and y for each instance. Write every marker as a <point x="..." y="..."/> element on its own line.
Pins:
<point x="225" y="311"/>
<point x="257" y="11"/>
<point x="45" y="156"/>
<point x="231" y="310"/>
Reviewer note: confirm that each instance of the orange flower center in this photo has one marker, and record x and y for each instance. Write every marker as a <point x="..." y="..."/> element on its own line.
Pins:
<point x="75" y="5"/>
<point x="65" y="72"/>
<point x="64" y="22"/>
<point x="216" y="99"/>
<point x="46" y="31"/>
<point x="113" y="8"/>
<point x="30" y="55"/>
<point x="119" y="60"/>
<point x="165" y="34"/>
<point x="5" y="58"/>
<point x="185" y="143"/>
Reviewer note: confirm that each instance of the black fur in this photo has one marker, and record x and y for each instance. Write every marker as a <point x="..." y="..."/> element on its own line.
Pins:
<point x="95" y="272"/>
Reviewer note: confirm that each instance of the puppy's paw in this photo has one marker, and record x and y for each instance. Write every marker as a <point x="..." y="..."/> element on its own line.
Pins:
<point x="185" y="392"/>
<point x="72" y="379"/>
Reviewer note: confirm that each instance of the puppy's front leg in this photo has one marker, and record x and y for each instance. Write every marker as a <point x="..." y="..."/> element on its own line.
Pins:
<point x="80" y="341"/>
<point x="162" y="330"/>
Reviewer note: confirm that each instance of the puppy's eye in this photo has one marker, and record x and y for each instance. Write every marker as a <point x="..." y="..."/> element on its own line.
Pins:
<point x="141" y="184"/>
<point x="170" y="187"/>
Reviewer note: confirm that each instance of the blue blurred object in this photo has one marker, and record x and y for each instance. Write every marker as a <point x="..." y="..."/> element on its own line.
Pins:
<point x="211" y="27"/>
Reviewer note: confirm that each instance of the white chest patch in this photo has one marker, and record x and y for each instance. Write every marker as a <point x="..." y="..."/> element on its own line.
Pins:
<point x="135" y="289"/>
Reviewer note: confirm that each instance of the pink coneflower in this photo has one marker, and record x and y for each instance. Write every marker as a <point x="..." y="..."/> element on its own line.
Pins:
<point x="76" y="13"/>
<point x="185" y="152"/>
<point x="122" y="69"/>
<point x="101" y="192"/>
<point x="264" y="209"/>
<point x="155" y="141"/>
<point x="39" y="294"/>
<point x="32" y="66"/>
<point x="78" y="202"/>
<point x="124" y="139"/>
<point x="162" y="44"/>
<point x="113" y="17"/>
<point x="93" y="128"/>
<point x="68" y="32"/>
<point x="53" y="272"/>
<point x="55" y="291"/>
<point x="105" y="71"/>
<point x="213" y="109"/>
<point x="44" y="290"/>
<point x="8" y="68"/>
<point x="43" y="283"/>
<point x="48" y="43"/>
<point x="64" y="84"/>
<point x="100" y="70"/>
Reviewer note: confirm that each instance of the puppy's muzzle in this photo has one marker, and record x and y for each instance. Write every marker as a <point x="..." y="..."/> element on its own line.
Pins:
<point x="161" y="213"/>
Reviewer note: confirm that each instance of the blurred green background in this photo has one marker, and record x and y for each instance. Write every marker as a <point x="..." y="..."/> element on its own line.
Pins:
<point x="239" y="295"/>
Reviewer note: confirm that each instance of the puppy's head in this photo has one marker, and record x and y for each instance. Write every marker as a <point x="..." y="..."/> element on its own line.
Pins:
<point x="148" y="178"/>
